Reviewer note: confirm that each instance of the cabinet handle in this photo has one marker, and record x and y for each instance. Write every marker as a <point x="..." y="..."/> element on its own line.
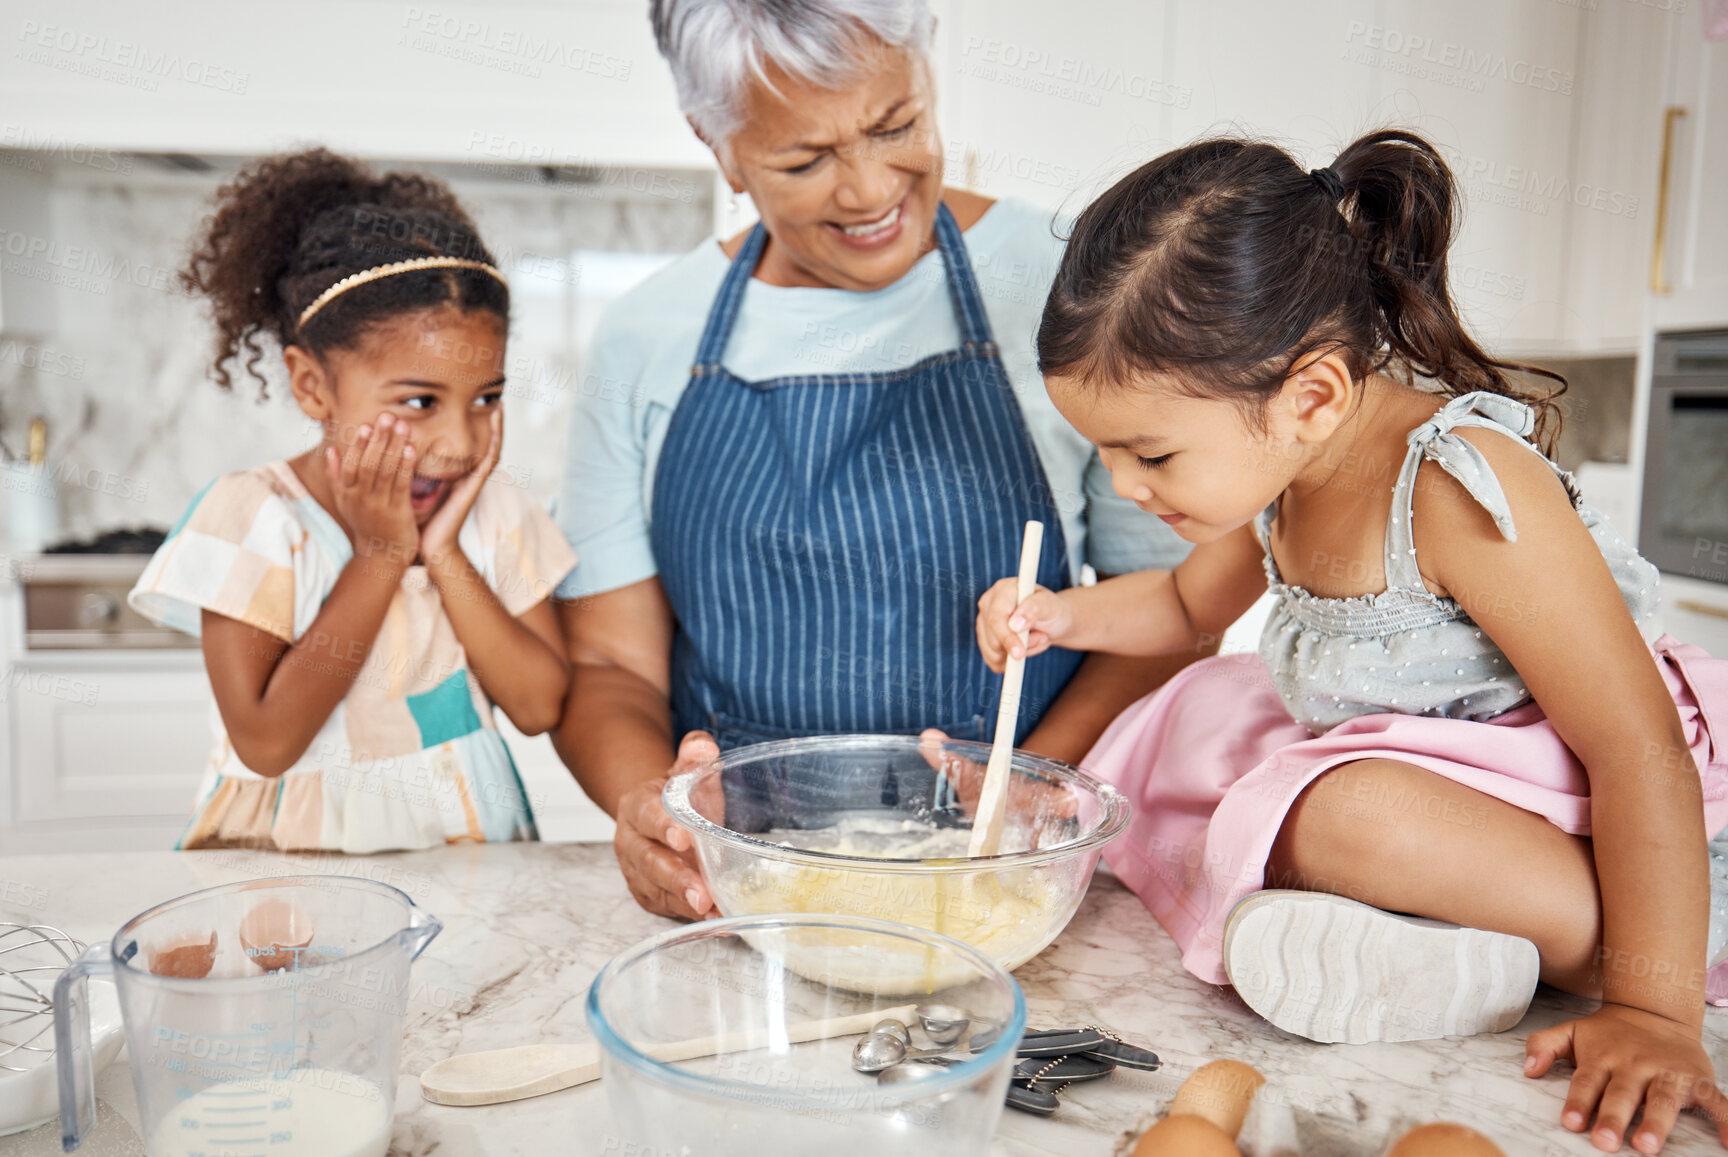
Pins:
<point x="1699" y="608"/>
<point x="1658" y="277"/>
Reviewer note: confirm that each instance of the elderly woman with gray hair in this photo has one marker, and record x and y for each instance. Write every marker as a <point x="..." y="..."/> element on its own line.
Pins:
<point x="817" y="442"/>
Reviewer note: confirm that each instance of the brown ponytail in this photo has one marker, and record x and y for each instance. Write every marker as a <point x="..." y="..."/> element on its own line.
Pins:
<point x="1226" y="265"/>
<point x="290" y="226"/>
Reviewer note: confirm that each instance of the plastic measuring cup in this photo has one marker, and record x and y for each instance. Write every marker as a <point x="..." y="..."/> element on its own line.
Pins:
<point x="262" y="1018"/>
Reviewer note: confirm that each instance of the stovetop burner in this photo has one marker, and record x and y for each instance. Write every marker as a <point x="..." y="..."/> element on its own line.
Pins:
<point x="142" y="540"/>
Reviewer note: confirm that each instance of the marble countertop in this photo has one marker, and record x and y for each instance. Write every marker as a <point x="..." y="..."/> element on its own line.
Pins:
<point x="527" y="926"/>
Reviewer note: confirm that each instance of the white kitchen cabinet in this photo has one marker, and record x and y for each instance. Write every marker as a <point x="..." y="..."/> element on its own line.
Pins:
<point x="105" y="752"/>
<point x="105" y="748"/>
<point x="1542" y="110"/>
<point x="1545" y="109"/>
<point x="1695" y="612"/>
<point x="1053" y="103"/>
<point x="1604" y="267"/>
<point x="499" y="82"/>
<point x="1693" y="277"/>
<point x="1272" y="71"/>
<point x="1494" y="86"/>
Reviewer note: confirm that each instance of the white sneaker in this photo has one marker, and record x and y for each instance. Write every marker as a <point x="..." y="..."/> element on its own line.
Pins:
<point x="1334" y="970"/>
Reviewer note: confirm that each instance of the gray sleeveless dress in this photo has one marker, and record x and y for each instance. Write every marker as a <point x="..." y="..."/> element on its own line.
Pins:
<point x="1212" y="761"/>
<point x="1406" y="649"/>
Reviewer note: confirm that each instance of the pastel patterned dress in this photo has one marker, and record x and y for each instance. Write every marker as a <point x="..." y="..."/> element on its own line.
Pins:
<point x="410" y="758"/>
<point x="1213" y="760"/>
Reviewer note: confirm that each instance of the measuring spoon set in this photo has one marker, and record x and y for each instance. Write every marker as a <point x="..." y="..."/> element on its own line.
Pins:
<point x="1049" y="1060"/>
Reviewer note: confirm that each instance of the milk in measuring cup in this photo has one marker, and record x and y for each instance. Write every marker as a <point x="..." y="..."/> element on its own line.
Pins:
<point x="308" y="1113"/>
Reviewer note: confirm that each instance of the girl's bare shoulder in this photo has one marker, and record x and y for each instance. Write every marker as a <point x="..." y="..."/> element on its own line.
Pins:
<point x="1455" y="532"/>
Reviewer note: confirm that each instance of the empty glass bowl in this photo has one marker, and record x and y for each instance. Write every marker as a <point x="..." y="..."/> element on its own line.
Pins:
<point x="767" y="1049"/>
<point x="877" y="826"/>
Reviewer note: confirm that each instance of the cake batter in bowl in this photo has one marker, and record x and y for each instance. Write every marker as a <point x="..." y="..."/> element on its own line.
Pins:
<point x="877" y="826"/>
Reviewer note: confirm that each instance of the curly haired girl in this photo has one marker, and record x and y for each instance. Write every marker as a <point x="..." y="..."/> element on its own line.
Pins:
<point x="363" y="605"/>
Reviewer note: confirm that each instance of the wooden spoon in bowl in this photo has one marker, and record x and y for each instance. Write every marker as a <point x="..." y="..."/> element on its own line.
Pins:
<point x="992" y="812"/>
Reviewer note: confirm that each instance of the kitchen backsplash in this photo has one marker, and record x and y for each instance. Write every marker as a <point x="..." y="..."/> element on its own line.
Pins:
<point x="136" y="426"/>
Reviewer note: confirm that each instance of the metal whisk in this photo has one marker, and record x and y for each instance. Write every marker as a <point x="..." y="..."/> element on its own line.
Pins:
<point x="31" y="957"/>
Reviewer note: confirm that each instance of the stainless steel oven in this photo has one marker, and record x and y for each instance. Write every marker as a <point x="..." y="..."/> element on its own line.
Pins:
<point x="78" y="602"/>
<point x="1683" y="520"/>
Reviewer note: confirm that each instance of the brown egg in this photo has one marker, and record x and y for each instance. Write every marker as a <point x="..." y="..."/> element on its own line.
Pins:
<point x="1181" y="1135"/>
<point x="274" y="934"/>
<point x="1444" y="1140"/>
<point x="1219" y="1092"/>
<point x="188" y="957"/>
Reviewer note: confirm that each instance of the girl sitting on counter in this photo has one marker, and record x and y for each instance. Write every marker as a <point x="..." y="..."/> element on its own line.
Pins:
<point x="363" y="605"/>
<point x="1453" y="714"/>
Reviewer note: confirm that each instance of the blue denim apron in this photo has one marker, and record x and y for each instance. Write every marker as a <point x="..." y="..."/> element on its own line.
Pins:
<point x="823" y="538"/>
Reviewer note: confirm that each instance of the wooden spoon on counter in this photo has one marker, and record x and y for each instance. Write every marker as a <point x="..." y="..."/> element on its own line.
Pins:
<point x="486" y="1078"/>
<point x="992" y="811"/>
<point x="188" y="956"/>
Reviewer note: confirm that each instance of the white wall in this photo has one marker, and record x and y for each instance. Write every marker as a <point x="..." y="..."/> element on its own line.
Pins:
<point x="1548" y="110"/>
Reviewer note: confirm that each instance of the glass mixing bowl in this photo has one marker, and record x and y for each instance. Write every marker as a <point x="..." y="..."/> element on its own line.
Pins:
<point x="877" y="826"/>
<point x="766" y="1050"/>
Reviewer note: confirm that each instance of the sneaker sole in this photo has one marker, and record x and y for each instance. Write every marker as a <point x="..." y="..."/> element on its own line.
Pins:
<point x="1340" y="972"/>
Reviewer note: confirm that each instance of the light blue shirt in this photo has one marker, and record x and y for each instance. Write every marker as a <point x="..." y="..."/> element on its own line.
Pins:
<point x="645" y="343"/>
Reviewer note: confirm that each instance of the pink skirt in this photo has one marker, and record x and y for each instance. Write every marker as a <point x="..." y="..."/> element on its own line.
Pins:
<point x="1212" y="760"/>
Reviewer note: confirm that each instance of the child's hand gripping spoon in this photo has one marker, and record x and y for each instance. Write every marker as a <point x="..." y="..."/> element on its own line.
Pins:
<point x="993" y="799"/>
<point x="1206" y="1115"/>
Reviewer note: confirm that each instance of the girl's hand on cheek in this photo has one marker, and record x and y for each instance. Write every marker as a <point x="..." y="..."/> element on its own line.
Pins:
<point x="371" y="483"/>
<point x="1625" y="1058"/>
<point x="438" y="536"/>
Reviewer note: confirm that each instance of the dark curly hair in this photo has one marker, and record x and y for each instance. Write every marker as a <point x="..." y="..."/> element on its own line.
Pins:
<point x="1227" y="265"/>
<point x="288" y="227"/>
